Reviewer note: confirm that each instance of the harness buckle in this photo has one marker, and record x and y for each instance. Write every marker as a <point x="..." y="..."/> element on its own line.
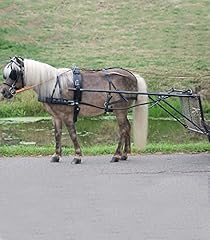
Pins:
<point x="107" y="105"/>
<point x="12" y="89"/>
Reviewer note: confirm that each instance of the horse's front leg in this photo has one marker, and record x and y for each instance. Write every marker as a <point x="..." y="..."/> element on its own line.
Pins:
<point x="58" y="132"/>
<point x="72" y="132"/>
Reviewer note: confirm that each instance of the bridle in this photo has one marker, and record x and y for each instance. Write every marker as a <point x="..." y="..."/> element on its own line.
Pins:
<point x="15" y="75"/>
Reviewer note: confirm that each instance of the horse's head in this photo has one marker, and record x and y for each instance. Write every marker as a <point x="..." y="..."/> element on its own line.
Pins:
<point x="13" y="77"/>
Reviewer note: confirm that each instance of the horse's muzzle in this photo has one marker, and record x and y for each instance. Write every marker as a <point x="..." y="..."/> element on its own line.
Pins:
<point x="7" y="93"/>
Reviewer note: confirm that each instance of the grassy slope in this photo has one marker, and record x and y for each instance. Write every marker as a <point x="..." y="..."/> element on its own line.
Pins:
<point x="166" y="41"/>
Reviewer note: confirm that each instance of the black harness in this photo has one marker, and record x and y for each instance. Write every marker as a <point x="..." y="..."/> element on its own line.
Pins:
<point x="77" y="81"/>
<point x="108" y="103"/>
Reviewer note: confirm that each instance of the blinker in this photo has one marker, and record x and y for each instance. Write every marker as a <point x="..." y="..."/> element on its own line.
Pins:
<point x="13" y="75"/>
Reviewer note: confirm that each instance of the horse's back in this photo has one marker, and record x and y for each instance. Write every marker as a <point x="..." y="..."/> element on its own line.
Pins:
<point x="100" y="79"/>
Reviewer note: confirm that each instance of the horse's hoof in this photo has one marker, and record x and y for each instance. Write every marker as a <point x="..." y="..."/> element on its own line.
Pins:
<point x="76" y="161"/>
<point x="55" y="159"/>
<point x="124" y="158"/>
<point x="114" y="159"/>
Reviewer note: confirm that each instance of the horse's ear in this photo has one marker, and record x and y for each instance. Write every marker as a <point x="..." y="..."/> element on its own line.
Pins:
<point x="13" y="75"/>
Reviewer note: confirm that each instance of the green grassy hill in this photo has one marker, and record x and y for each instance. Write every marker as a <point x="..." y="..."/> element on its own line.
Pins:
<point x="166" y="41"/>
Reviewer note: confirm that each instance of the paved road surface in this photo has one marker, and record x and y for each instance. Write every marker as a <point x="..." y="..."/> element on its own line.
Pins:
<point x="150" y="197"/>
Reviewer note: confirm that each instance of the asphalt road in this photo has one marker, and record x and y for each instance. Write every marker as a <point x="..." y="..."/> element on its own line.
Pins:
<point x="149" y="197"/>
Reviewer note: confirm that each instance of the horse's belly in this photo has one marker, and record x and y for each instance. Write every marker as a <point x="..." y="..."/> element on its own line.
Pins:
<point x="90" y="111"/>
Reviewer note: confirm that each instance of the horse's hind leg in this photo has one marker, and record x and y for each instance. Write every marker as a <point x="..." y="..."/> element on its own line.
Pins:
<point x="72" y="132"/>
<point x="58" y="131"/>
<point x="127" y="136"/>
<point x="124" y="137"/>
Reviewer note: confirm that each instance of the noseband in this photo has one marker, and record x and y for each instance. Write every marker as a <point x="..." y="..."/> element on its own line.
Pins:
<point x="12" y="89"/>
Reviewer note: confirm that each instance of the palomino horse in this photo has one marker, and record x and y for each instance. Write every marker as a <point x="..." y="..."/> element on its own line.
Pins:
<point x="52" y="83"/>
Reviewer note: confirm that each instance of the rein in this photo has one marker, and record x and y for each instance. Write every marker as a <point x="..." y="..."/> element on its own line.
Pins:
<point x="25" y="89"/>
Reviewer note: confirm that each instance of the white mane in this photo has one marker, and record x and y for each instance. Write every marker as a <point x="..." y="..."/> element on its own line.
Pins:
<point x="43" y="77"/>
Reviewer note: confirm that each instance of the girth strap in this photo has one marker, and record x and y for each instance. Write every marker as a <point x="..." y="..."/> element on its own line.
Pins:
<point x="77" y="80"/>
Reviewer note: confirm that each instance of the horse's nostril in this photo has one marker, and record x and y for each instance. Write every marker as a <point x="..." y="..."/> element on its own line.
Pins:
<point x="4" y="93"/>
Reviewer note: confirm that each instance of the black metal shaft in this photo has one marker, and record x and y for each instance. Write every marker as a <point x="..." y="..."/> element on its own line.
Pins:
<point x="175" y="93"/>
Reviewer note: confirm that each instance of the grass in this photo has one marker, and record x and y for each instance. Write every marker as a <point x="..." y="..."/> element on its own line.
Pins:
<point x="22" y="105"/>
<point x="102" y="150"/>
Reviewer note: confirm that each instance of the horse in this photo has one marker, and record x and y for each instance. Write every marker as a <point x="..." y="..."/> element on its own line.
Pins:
<point x="58" y="84"/>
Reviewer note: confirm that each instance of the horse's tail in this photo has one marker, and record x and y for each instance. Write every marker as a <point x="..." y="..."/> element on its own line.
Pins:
<point x="140" y="121"/>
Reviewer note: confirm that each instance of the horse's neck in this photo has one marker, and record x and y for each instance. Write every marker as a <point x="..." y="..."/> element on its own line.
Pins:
<point x="37" y="73"/>
<point x="42" y="77"/>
